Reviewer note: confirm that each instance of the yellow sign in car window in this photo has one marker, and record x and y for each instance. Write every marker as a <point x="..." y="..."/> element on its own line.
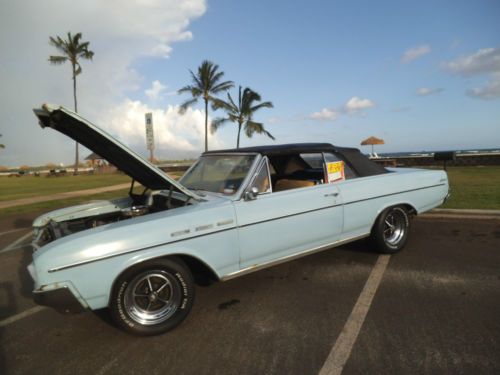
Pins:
<point x="335" y="171"/>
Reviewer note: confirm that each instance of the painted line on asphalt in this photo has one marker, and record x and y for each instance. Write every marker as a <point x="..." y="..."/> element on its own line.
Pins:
<point x="12" y="231"/>
<point x="21" y="315"/>
<point x="341" y="351"/>
<point x="15" y="245"/>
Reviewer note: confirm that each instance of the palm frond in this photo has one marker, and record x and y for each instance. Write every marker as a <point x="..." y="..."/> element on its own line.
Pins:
<point x="184" y="106"/>
<point x="57" y="60"/>
<point x="184" y="89"/>
<point x="196" y="79"/>
<point x="252" y="127"/>
<point x="223" y="86"/>
<point x="216" y="76"/>
<point x="217" y="123"/>
<point x="221" y="104"/>
<point x="261" y="105"/>
<point x="269" y="135"/>
<point x="78" y="69"/>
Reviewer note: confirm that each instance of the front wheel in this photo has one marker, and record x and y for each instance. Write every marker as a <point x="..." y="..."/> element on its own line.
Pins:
<point x="391" y="230"/>
<point x="153" y="297"/>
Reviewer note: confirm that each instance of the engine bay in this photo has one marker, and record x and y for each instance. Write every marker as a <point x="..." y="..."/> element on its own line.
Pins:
<point x="135" y="205"/>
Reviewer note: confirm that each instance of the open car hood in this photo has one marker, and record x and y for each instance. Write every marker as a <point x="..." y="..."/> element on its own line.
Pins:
<point x="103" y="144"/>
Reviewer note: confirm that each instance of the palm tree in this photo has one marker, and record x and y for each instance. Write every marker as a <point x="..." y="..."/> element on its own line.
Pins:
<point x="72" y="50"/>
<point x="242" y="113"/>
<point x="205" y="84"/>
<point x="1" y="144"/>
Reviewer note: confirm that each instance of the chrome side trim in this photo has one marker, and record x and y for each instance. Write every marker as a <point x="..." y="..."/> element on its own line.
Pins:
<point x="203" y="227"/>
<point x="225" y="222"/>
<point x="71" y="265"/>
<point x="290" y="257"/>
<point x="180" y="233"/>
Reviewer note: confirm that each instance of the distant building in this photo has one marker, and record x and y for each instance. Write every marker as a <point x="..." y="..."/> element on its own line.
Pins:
<point x="96" y="160"/>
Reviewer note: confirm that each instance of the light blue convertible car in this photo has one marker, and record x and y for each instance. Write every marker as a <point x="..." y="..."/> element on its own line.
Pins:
<point x="233" y="212"/>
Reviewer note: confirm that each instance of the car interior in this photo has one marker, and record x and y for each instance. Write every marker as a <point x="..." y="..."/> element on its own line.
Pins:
<point x="301" y="170"/>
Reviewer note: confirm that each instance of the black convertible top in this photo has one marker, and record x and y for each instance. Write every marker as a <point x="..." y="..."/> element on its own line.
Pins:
<point x="361" y="164"/>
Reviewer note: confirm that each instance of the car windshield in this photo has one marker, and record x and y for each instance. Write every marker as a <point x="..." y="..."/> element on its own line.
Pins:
<point x="218" y="173"/>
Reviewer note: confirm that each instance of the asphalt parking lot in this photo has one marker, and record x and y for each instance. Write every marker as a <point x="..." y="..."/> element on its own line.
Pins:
<point x="436" y="310"/>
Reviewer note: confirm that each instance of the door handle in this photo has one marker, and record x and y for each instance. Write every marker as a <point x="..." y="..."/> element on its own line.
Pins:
<point x="332" y="194"/>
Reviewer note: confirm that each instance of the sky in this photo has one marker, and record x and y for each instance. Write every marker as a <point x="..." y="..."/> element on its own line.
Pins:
<point x="422" y="75"/>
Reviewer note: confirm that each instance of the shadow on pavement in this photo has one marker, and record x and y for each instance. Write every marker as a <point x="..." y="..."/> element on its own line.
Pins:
<point x="361" y="246"/>
<point x="104" y="315"/>
<point x="7" y="308"/>
<point x="25" y="280"/>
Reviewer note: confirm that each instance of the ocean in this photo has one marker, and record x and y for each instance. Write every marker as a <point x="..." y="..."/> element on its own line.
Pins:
<point x="431" y="153"/>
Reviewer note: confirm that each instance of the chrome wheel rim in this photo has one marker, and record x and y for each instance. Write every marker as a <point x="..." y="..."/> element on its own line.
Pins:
<point x="394" y="227"/>
<point x="152" y="297"/>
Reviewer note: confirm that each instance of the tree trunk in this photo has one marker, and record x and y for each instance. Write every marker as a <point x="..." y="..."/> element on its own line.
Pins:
<point x="75" y="170"/>
<point x="206" y="125"/>
<point x="238" y="139"/>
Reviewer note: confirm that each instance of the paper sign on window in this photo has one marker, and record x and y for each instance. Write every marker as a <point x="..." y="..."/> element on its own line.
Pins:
<point x="335" y="171"/>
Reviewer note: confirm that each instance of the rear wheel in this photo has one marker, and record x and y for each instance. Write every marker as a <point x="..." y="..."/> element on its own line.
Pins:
<point x="391" y="230"/>
<point x="153" y="297"/>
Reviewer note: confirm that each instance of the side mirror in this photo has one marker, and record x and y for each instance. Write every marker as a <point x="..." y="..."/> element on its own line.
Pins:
<point x="251" y="194"/>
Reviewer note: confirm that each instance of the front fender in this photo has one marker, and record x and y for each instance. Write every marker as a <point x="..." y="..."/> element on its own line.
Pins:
<point x="93" y="259"/>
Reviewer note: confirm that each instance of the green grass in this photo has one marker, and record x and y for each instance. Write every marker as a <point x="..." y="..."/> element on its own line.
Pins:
<point x="471" y="188"/>
<point x="53" y="205"/>
<point x="30" y="186"/>
<point x="474" y="187"/>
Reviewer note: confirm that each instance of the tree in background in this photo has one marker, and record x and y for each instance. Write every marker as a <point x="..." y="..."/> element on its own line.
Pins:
<point x="1" y="144"/>
<point x="205" y="84"/>
<point x="72" y="50"/>
<point x="242" y="113"/>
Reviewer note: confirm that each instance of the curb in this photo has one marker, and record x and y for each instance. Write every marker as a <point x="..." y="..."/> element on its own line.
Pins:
<point x="448" y="213"/>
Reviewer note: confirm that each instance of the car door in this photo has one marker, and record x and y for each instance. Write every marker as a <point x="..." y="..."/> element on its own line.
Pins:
<point x="360" y="209"/>
<point x="274" y="225"/>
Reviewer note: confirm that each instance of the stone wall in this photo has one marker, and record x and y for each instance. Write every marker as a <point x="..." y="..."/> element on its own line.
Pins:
<point x="421" y="161"/>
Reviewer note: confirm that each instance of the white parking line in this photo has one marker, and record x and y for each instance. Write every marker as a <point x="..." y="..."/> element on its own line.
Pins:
<point x="14" y="245"/>
<point x="12" y="231"/>
<point x="341" y="351"/>
<point x="21" y="315"/>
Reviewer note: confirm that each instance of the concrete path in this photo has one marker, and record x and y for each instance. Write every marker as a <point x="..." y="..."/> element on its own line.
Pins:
<point x="65" y="195"/>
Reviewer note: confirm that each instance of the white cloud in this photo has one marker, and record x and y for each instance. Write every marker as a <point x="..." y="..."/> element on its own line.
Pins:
<point x="355" y="105"/>
<point x="119" y="32"/>
<point x="485" y="60"/>
<point x="324" y="115"/>
<point x="175" y="135"/>
<point x="490" y="91"/>
<point x="426" y="91"/>
<point x="156" y="90"/>
<point x="415" y="53"/>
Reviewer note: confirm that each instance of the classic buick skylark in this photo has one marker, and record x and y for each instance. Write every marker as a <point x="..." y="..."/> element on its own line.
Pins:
<point x="233" y="212"/>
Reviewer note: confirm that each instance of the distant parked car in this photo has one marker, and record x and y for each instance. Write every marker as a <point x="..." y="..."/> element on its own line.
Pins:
<point x="233" y="212"/>
<point x="57" y="172"/>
